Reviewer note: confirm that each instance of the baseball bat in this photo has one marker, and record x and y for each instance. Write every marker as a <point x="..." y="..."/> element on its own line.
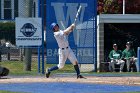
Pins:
<point x="62" y="25"/>
<point x="77" y="14"/>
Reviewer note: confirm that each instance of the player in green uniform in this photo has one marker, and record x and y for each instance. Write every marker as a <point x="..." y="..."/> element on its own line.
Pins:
<point x="129" y="55"/>
<point x="115" y="56"/>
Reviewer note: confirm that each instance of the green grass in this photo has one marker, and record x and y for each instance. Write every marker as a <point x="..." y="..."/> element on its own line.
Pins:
<point x="17" y="68"/>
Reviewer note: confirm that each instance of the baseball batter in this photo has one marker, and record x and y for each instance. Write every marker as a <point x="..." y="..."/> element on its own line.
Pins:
<point x="64" y="50"/>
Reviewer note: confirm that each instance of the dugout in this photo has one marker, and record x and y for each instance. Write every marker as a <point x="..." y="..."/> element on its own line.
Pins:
<point x="116" y="28"/>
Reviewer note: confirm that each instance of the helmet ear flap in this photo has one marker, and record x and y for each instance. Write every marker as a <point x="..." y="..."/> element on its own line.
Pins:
<point x="53" y="29"/>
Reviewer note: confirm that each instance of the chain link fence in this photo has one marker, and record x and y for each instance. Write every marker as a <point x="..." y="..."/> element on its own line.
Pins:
<point x="9" y="52"/>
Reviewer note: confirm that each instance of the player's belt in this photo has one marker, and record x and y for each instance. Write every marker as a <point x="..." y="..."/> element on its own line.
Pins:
<point x="64" y="48"/>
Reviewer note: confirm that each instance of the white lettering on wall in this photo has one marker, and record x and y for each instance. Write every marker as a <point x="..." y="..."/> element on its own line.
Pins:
<point x="79" y="52"/>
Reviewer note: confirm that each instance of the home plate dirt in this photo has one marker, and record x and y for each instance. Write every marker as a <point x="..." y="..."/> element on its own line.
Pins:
<point x="70" y="84"/>
<point x="90" y="79"/>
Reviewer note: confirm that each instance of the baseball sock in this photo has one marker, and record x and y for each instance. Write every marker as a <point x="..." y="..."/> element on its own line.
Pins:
<point x="53" y="68"/>
<point x="76" y="67"/>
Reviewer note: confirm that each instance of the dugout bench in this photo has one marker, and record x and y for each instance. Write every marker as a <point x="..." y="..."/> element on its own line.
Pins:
<point x="104" y="67"/>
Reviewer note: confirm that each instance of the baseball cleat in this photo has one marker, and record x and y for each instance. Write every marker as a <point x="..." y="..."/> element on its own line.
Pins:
<point x="48" y="73"/>
<point x="80" y="76"/>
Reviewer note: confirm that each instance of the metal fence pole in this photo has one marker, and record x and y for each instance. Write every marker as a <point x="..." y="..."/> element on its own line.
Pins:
<point x="8" y="54"/>
<point x="42" y="11"/>
<point x="38" y="59"/>
<point x="95" y="28"/>
<point x="28" y="51"/>
<point x="138" y="61"/>
<point x="39" y="15"/>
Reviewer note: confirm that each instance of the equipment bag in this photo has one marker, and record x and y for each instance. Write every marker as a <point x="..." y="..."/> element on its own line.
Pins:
<point x="4" y="71"/>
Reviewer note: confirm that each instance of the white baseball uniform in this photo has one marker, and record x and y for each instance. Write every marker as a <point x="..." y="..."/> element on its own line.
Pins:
<point x="64" y="50"/>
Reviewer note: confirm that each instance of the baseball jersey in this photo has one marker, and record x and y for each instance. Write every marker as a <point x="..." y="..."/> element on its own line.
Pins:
<point x="128" y="53"/>
<point x="61" y="39"/>
<point x="115" y="54"/>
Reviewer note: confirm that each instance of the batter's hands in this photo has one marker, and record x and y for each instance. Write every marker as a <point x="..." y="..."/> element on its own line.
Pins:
<point x="69" y="29"/>
<point x="72" y="26"/>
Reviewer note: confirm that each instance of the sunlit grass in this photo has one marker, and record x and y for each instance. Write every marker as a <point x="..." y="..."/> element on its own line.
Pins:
<point x="17" y="68"/>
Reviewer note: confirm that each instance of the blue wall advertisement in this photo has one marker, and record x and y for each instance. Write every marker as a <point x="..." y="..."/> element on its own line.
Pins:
<point x="83" y="39"/>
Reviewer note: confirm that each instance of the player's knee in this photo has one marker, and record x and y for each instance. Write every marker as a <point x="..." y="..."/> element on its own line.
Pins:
<point x="75" y="63"/>
<point x="60" y="66"/>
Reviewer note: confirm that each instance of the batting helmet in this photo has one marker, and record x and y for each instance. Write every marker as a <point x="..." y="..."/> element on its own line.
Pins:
<point x="53" y="25"/>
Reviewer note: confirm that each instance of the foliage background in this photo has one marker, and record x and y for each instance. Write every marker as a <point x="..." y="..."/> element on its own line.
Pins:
<point x="116" y="6"/>
<point x="7" y="31"/>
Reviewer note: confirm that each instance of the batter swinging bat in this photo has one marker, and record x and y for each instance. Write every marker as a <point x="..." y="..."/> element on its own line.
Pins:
<point x="77" y="14"/>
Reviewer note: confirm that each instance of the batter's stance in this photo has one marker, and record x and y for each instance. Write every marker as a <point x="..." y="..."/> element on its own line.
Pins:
<point x="64" y="49"/>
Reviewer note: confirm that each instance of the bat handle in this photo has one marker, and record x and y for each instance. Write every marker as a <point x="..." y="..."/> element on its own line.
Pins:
<point x="75" y="21"/>
<point x="79" y="8"/>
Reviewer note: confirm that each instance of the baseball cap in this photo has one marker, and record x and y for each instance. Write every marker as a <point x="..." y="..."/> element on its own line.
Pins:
<point x="128" y="43"/>
<point x="114" y="44"/>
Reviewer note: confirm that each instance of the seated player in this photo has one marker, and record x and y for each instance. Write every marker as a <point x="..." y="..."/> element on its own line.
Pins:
<point x="115" y="57"/>
<point x="129" y="55"/>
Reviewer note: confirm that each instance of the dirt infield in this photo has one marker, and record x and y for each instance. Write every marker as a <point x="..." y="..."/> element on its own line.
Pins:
<point x="90" y="79"/>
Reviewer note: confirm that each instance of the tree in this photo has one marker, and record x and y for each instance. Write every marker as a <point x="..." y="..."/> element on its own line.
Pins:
<point x="109" y="6"/>
<point x="132" y="6"/>
<point x="7" y="31"/>
<point x="116" y="6"/>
